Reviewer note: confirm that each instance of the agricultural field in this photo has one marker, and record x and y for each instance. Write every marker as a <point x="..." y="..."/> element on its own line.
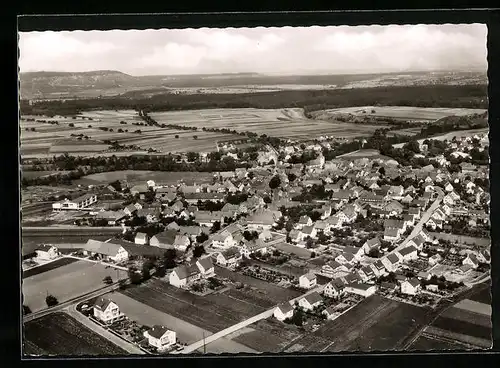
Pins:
<point x="213" y="312"/>
<point x="285" y="123"/>
<point x="60" y="334"/>
<point x="66" y="282"/>
<point x="48" y="266"/>
<point x="427" y="343"/>
<point x="186" y="332"/>
<point x="375" y="324"/>
<point x="406" y="113"/>
<point x="450" y="135"/>
<point x="48" y="139"/>
<point x="41" y="174"/>
<point x="134" y="177"/>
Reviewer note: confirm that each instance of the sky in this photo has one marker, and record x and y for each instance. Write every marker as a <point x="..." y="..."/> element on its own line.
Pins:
<point x="285" y="50"/>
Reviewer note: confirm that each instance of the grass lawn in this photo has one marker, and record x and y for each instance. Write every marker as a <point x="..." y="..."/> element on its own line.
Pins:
<point x="66" y="282"/>
<point x="60" y="334"/>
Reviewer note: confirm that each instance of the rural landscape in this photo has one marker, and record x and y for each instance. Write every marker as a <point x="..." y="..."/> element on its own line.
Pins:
<point x="199" y="208"/>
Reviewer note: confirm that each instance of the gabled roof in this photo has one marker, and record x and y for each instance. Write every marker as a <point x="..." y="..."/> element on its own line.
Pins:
<point x="102" y="303"/>
<point x="351" y="250"/>
<point x="285" y="308"/>
<point x="141" y="236"/>
<point x="166" y="237"/>
<point x="373" y="242"/>
<point x="391" y="233"/>
<point x="394" y="259"/>
<point x="413" y="282"/>
<point x="108" y="249"/>
<point x="45" y="247"/>
<point x="313" y="298"/>
<point x="232" y="252"/>
<point x="407" y="250"/>
<point x="205" y="262"/>
<point x="361" y="286"/>
<point x="333" y="264"/>
<point x="184" y="271"/>
<point x="158" y="331"/>
<point x="309" y="276"/>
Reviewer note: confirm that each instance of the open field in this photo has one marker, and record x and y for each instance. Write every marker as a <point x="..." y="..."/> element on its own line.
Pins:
<point x="60" y="334"/>
<point x="408" y="113"/>
<point x="475" y="307"/>
<point x="39" y="174"/>
<point x="375" y="324"/>
<point x="47" y="267"/>
<point x="450" y="135"/>
<point x="267" y="336"/>
<point x="286" y="123"/>
<point x="134" y="177"/>
<point x="212" y="312"/>
<point x="482" y="296"/>
<point x="468" y="316"/>
<point x="186" y="332"/>
<point x="50" y="139"/>
<point x="430" y="343"/>
<point x="66" y="282"/>
<point x="467" y="339"/>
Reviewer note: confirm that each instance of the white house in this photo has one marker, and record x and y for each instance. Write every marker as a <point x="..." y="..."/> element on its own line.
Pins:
<point x="106" y="250"/>
<point x="183" y="275"/>
<point x="141" y="238"/>
<point x="311" y="301"/>
<point x="160" y="337"/>
<point x="229" y="258"/>
<point x="471" y="260"/>
<point x="223" y="240"/>
<point x="332" y="291"/>
<point x="370" y="244"/>
<point x="307" y="281"/>
<point x="332" y="268"/>
<point x="409" y="253"/>
<point x="411" y="286"/>
<point x="283" y="311"/>
<point x="46" y="252"/>
<point x="391" y="262"/>
<point x="107" y="311"/>
<point x="361" y="289"/>
<point x="206" y="266"/>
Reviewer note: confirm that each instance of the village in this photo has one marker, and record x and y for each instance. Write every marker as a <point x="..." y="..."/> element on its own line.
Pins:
<point x="337" y="230"/>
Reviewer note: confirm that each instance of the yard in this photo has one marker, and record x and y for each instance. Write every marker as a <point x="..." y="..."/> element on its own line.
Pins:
<point x="66" y="282"/>
<point x="60" y="334"/>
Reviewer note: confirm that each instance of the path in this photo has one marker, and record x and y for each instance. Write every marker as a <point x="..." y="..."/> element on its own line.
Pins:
<point x="199" y="344"/>
<point x="125" y="345"/>
<point x="100" y="262"/>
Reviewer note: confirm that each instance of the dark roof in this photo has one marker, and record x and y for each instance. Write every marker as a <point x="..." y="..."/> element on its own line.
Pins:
<point x="158" y="331"/>
<point x="139" y="250"/>
<point x="166" y="237"/>
<point x="393" y="258"/>
<point x="206" y="262"/>
<point x="45" y="247"/>
<point x="184" y="271"/>
<point x="361" y="286"/>
<point x="373" y="242"/>
<point x="413" y="282"/>
<point x="313" y="298"/>
<point x="102" y="303"/>
<point x="407" y="250"/>
<point x="285" y="307"/>
<point x="231" y="252"/>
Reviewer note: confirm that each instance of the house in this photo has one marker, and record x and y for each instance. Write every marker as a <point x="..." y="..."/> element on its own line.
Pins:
<point x="371" y="244"/>
<point x="184" y="275"/>
<point x="326" y="212"/>
<point x="262" y="220"/>
<point x="207" y="218"/>
<point x="432" y="287"/>
<point x="283" y="311"/>
<point x="471" y="260"/>
<point x="223" y="240"/>
<point x="322" y="226"/>
<point x="409" y="253"/>
<point x="165" y="194"/>
<point x="193" y="231"/>
<point x="332" y="268"/>
<point x="206" y="266"/>
<point x="107" y="311"/>
<point x="229" y="257"/>
<point x="333" y="290"/>
<point x="391" y="234"/>
<point x="348" y="214"/>
<point x="308" y="231"/>
<point x="307" y="281"/>
<point x="130" y="210"/>
<point x="414" y="211"/>
<point x="378" y="268"/>
<point x="411" y="286"/>
<point x="295" y="236"/>
<point x="409" y="220"/>
<point x="106" y="250"/>
<point x="181" y="242"/>
<point x="311" y="301"/>
<point x="361" y="289"/>
<point x="250" y="247"/>
<point x="417" y="242"/>
<point x="388" y="286"/>
<point x="345" y="258"/>
<point x="331" y="313"/>
<point x="358" y="253"/>
<point x="160" y="337"/>
<point x="334" y="222"/>
<point x="434" y="260"/>
<point x="303" y="221"/>
<point x="484" y="256"/>
<point x="141" y="238"/>
<point x="75" y="204"/>
<point x="394" y="207"/>
<point x="391" y="262"/>
<point x="366" y="273"/>
<point x="140" y="190"/>
<point x="164" y="239"/>
<point x="46" y="252"/>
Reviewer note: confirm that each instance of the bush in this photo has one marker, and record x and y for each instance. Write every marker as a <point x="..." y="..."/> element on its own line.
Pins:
<point x="107" y="280"/>
<point x="51" y="301"/>
<point x="26" y="310"/>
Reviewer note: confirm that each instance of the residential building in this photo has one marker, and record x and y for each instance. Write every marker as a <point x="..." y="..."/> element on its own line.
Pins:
<point x="184" y="275"/>
<point x="223" y="240"/>
<point x="76" y="204"/>
<point x="106" y="250"/>
<point x="307" y="281"/>
<point x="332" y="290"/>
<point x="160" y="337"/>
<point x="141" y="238"/>
<point x="164" y="239"/>
<point x="206" y="266"/>
<point x="283" y="311"/>
<point x="46" y="252"/>
<point x="229" y="258"/>
<point x="107" y="311"/>
<point x="411" y="286"/>
<point x="361" y="289"/>
<point x="311" y="301"/>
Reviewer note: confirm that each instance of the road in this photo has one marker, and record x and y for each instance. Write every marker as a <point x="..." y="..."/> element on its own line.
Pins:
<point x="268" y="313"/>
<point x="125" y="345"/>
<point x="69" y="302"/>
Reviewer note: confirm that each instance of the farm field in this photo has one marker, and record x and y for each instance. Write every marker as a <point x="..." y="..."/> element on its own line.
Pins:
<point x="482" y="296"/>
<point x="416" y="114"/>
<point x="428" y="343"/>
<point x="286" y="123"/>
<point x="141" y="176"/>
<point x="371" y="154"/>
<point x="60" y="334"/>
<point x="267" y="336"/>
<point x="212" y="312"/>
<point x="47" y="267"/>
<point x="66" y="282"/>
<point x="39" y="174"/>
<point x="450" y="135"/>
<point x="49" y="139"/>
<point x="375" y="324"/>
<point x="186" y="332"/>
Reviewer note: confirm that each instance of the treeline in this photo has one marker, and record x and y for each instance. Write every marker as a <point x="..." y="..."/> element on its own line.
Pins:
<point x="466" y="96"/>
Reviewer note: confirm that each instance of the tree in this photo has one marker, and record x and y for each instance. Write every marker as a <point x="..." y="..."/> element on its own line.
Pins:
<point x="51" y="300"/>
<point x="107" y="280"/>
<point x="146" y="271"/>
<point x="215" y="227"/>
<point x="291" y="177"/>
<point x="134" y="277"/>
<point x="198" y="251"/>
<point x="71" y="125"/>
<point x="195" y="137"/>
<point x="313" y="254"/>
<point x="202" y="238"/>
<point x="169" y="258"/>
<point x="177" y="136"/>
<point x="275" y="182"/>
<point x="412" y="146"/>
<point x="267" y="199"/>
<point x="381" y="171"/>
<point x="192" y="156"/>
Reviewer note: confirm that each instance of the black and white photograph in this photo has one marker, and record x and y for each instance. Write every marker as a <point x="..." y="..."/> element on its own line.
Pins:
<point x="320" y="189"/>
